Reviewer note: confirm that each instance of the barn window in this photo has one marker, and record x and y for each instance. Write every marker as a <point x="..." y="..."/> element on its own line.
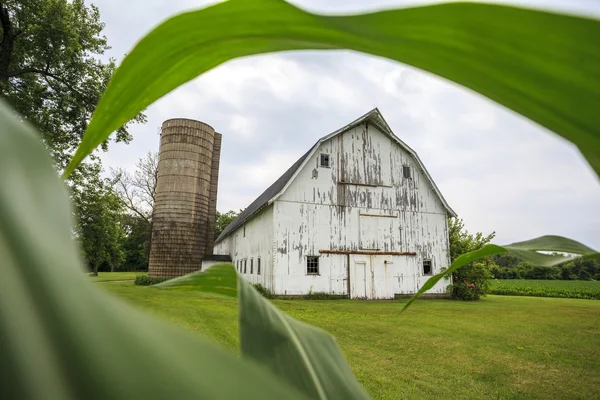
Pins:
<point x="258" y="266"/>
<point x="406" y="171"/>
<point x="312" y="265"/>
<point x="244" y="231"/>
<point x="427" y="267"/>
<point x="251" y="265"/>
<point x="245" y="265"/>
<point x="324" y="160"/>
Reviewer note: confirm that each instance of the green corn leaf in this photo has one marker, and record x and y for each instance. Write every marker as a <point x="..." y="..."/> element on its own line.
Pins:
<point x="542" y="65"/>
<point x="218" y="279"/>
<point x="300" y="354"/>
<point x="62" y="337"/>
<point x="527" y="250"/>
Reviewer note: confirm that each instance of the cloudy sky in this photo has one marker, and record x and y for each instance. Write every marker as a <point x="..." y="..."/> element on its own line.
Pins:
<point x="497" y="170"/>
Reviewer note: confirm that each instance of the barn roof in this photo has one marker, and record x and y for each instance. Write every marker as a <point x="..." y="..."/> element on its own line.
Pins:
<point x="278" y="187"/>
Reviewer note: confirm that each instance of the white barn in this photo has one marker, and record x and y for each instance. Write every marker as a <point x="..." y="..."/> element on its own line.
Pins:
<point x="357" y="215"/>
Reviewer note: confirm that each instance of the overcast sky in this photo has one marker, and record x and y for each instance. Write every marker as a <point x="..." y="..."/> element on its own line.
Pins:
<point x="498" y="171"/>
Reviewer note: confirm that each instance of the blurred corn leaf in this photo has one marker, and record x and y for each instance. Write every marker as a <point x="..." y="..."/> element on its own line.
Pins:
<point x="61" y="337"/>
<point x="527" y="251"/>
<point x="542" y="65"/>
<point x="300" y="354"/>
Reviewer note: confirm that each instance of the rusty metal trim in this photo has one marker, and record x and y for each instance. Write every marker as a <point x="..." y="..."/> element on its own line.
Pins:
<point x="378" y="215"/>
<point x="372" y="253"/>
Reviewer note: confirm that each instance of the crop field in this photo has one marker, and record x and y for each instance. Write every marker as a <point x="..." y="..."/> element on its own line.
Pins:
<point x="546" y="288"/>
<point x="501" y="347"/>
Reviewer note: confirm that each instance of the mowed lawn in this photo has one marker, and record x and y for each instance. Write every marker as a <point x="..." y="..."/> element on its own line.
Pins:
<point x="498" y="348"/>
<point x="115" y="276"/>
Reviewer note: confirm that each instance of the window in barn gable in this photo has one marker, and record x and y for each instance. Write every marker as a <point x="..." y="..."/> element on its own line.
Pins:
<point x="244" y="231"/>
<point x="324" y="161"/>
<point x="406" y="171"/>
<point x="312" y="265"/>
<point x="251" y="265"/>
<point x="258" y="266"/>
<point x="427" y="270"/>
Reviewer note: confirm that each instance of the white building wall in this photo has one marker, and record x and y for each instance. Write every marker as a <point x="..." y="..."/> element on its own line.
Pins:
<point x="335" y="209"/>
<point x="247" y="244"/>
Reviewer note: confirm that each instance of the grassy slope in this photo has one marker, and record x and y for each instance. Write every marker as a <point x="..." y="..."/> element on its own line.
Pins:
<point x="501" y="347"/>
<point x="115" y="276"/>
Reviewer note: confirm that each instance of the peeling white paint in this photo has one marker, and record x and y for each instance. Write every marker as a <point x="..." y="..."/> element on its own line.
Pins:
<point x="361" y="202"/>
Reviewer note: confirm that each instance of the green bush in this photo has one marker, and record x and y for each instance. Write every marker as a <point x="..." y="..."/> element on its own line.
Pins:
<point x="266" y="293"/>
<point x="145" y="280"/>
<point x="470" y="282"/>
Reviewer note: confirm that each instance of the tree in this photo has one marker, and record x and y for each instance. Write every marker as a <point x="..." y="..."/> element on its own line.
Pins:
<point x="136" y="243"/>
<point x="224" y="219"/>
<point x="137" y="191"/>
<point x="50" y="70"/>
<point x="99" y="231"/>
<point x="470" y="281"/>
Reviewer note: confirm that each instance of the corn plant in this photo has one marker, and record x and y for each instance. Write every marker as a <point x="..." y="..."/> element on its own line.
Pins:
<point x="60" y="337"/>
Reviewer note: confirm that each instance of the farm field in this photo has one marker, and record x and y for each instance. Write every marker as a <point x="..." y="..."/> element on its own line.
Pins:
<point x="115" y="276"/>
<point x="546" y="288"/>
<point x="501" y="347"/>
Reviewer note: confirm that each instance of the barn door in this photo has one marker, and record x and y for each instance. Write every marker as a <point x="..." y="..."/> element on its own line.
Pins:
<point x="361" y="278"/>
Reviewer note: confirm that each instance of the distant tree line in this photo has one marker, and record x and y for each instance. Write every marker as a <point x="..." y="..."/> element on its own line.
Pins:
<point x="508" y="266"/>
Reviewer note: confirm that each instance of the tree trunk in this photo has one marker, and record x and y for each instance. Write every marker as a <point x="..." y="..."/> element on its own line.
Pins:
<point x="112" y="267"/>
<point x="8" y="39"/>
<point x="95" y="269"/>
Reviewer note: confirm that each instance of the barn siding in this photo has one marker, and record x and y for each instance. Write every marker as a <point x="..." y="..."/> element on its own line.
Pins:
<point x="321" y="210"/>
<point x="257" y="242"/>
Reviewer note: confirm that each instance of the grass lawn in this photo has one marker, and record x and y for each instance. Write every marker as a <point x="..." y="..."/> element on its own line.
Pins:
<point x="500" y="348"/>
<point x="116" y="276"/>
<point x="546" y="288"/>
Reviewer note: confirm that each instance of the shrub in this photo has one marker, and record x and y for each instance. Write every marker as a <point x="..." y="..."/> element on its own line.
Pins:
<point x="145" y="280"/>
<point x="470" y="282"/>
<point x="266" y="293"/>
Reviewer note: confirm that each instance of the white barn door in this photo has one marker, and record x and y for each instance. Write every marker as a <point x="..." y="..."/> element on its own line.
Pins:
<point x="371" y="277"/>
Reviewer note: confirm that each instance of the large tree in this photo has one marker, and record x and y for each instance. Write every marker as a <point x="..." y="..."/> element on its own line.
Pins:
<point x="51" y="70"/>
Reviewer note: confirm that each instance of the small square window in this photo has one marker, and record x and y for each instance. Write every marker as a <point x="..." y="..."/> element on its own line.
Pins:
<point x="427" y="267"/>
<point x="258" y="266"/>
<point x="312" y="265"/>
<point x="245" y="265"/>
<point x="406" y="171"/>
<point x="324" y="160"/>
<point x="251" y="265"/>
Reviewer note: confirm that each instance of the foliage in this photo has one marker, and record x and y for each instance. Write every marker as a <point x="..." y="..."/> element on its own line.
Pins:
<point x="137" y="190"/>
<point x="546" y="288"/>
<point x="145" y="280"/>
<point x="511" y="267"/>
<point x="469" y="282"/>
<point x="99" y="230"/>
<point x="502" y="52"/>
<point x="400" y="355"/>
<point x="264" y="292"/>
<point x="224" y="219"/>
<point x="136" y="243"/>
<point x="51" y="71"/>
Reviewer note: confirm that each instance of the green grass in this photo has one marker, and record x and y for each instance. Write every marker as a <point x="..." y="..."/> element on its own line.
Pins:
<point x="546" y="288"/>
<point x="115" y="276"/>
<point x="500" y="347"/>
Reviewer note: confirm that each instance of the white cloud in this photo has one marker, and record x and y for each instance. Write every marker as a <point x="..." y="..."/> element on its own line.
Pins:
<point x="497" y="170"/>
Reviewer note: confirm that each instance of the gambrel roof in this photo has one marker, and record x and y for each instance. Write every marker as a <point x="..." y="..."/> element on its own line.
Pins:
<point x="280" y="185"/>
